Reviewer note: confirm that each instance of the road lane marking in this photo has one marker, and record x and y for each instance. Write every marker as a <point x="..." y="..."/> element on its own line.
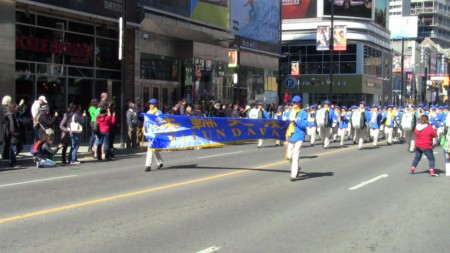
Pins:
<point x="368" y="182"/>
<point x="37" y="181"/>
<point x="159" y="188"/>
<point x="209" y="156"/>
<point x="210" y="249"/>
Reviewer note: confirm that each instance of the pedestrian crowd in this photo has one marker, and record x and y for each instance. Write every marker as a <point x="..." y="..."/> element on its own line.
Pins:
<point x="421" y="127"/>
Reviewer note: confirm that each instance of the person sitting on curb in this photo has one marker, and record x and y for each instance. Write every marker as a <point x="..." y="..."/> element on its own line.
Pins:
<point x="45" y="154"/>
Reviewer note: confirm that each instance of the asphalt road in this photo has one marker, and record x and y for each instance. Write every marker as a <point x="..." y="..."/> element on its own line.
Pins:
<point x="236" y="198"/>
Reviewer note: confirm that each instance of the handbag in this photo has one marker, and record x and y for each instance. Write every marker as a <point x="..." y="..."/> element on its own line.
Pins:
<point x="75" y="127"/>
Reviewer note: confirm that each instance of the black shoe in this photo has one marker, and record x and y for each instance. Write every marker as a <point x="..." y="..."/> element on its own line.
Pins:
<point x="148" y="169"/>
<point x="160" y="166"/>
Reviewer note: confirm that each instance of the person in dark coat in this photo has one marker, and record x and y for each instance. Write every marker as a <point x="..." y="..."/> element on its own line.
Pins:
<point x="46" y="120"/>
<point x="65" y="136"/>
<point x="13" y="135"/>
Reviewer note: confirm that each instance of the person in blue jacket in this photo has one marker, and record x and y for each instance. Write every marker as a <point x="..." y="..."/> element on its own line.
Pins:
<point x="325" y="124"/>
<point x="295" y="135"/>
<point x="388" y="119"/>
<point x="343" y="120"/>
<point x="374" y="122"/>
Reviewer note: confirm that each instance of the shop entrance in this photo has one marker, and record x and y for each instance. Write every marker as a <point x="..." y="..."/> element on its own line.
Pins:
<point x="166" y="94"/>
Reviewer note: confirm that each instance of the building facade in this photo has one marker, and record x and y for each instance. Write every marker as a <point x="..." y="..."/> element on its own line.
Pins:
<point x="359" y="69"/>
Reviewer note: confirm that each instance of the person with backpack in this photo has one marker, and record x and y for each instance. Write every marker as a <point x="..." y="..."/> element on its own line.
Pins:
<point x="132" y="123"/>
<point x="76" y="121"/>
<point x="43" y="152"/>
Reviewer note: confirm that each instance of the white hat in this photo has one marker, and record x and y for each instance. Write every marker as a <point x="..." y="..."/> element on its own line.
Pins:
<point x="49" y="131"/>
<point x="43" y="99"/>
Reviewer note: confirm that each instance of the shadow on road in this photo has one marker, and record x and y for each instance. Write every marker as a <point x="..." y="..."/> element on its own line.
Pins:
<point x="195" y="166"/>
<point x="309" y="175"/>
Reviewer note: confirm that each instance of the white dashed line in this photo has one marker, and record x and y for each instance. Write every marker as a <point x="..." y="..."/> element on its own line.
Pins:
<point x="37" y="181"/>
<point x="368" y="182"/>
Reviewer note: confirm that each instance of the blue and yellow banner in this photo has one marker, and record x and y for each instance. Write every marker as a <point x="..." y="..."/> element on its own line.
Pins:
<point x="175" y="132"/>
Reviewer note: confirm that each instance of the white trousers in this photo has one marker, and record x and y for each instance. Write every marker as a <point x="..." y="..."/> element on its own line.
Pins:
<point x="359" y="136"/>
<point x="410" y="139"/>
<point x="389" y="131"/>
<point x="312" y="133"/>
<point x="151" y="153"/>
<point x="341" y="133"/>
<point x="324" y="133"/>
<point x="374" y="132"/>
<point x="293" y="154"/>
<point x="260" y="142"/>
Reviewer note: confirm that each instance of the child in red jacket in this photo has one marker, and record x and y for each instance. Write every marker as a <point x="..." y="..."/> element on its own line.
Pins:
<point x="424" y="144"/>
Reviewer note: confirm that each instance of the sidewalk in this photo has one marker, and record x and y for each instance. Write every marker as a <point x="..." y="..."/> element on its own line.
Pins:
<point x="25" y="158"/>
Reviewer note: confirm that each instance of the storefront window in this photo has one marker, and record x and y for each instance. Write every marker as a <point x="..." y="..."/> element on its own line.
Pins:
<point x="157" y="67"/>
<point x="372" y="62"/>
<point x="54" y="90"/>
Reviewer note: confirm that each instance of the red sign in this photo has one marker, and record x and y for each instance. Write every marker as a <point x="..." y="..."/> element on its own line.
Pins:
<point x="79" y="52"/>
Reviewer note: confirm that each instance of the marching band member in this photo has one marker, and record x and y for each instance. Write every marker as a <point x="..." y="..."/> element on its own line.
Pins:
<point x="259" y="113"/>
<point x="324" y="118"/>
<point x="432" y="116"/>
<point x="278" y="115"/>
<point x="359" y="123"/>
<point x="388" y="118"/>
<point x="335" y="124"/>
<point x="440" y="123"/>
<point x="374" y="124"/>
<point x="312" y="128"/>
<point x="397" y="132"/>
<point x="295" y="135"/>
<point x="408" y="123"/>
<point x="153" y="153"/>
<point x="343" y="120"/>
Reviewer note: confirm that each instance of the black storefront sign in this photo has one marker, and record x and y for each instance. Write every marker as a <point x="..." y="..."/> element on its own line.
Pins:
<point x="105" y="8"/>
<point x="259" y="45"/>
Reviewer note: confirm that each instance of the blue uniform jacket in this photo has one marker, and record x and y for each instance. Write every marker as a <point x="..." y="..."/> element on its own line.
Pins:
<point x="377" y="123"/>
<point x="344" y="120"/>
<point x="301" y="122"/>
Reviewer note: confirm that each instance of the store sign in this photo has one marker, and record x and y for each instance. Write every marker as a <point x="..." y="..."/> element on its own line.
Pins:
<point x="80" y="53"/>
<point x="106" y="8"/>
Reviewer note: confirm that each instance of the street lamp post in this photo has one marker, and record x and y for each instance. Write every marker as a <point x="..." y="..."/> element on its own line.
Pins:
<point x="331" y="50"/>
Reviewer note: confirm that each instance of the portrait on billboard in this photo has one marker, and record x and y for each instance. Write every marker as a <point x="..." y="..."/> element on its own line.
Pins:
<point x="323" y="38"/>
<point x="340" y="38"/>
<point x="296" y="9"/>
<point x="232" y="58"/>
<point x="295" y="68"/>
<point x="348" y="8"/>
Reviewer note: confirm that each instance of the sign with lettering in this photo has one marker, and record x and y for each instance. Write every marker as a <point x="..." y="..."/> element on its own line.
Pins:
<point x="174" y="132"/>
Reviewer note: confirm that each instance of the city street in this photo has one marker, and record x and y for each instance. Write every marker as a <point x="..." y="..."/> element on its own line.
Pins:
<point x="236" y="198"/>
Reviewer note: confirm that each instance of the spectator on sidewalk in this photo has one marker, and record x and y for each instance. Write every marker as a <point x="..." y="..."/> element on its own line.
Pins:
<point x="46" y="155"/>
<point x="46" y="120"/>
<point x="75" y="136"/>
<point x="65" y="136"/>
<point x="93" y="112"/>
<point x="105" y="120"/>
<point x="132" y="123"/>
<point x="13" y="134"/>
<point x="35" y="114"/>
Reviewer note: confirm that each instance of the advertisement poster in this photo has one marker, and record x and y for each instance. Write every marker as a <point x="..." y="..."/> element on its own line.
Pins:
<point x="407" y="29"/>
<point x="352" y="9"/>
<point x="296" y="9"/>
<point x="257" y="20"/>
<point x="381" y="10"/>
<point x="216" y="12"/>
<point x="295" y="68"/>
<point x="397" y="64"/>
<point x="323" y="38"/>
<point x="340" y="38"/>
<point x="232" y="58"/>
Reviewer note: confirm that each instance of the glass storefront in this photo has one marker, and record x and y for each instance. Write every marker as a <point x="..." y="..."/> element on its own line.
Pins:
<point x="65" y="60"/>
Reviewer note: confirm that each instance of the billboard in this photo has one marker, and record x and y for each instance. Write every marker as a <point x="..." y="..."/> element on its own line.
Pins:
<point x="349" y="8"/>
<point x="323" y="38"/>
<point x="214" y="12"/>
<point x="295" y="68"/>
<point x="105" y="8"/>
<point x="232" y="58"/>
<point x="340" y="38"/>
<point x="397" y="64"/>
<point x="403" y="27"/>
<point x="295" y="9"/>
<point x="257" y="20"/>
<point x="381" y="12"/>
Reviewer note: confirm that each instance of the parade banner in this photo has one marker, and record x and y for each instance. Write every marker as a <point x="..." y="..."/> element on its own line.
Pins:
<point x="176" y="132"/>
